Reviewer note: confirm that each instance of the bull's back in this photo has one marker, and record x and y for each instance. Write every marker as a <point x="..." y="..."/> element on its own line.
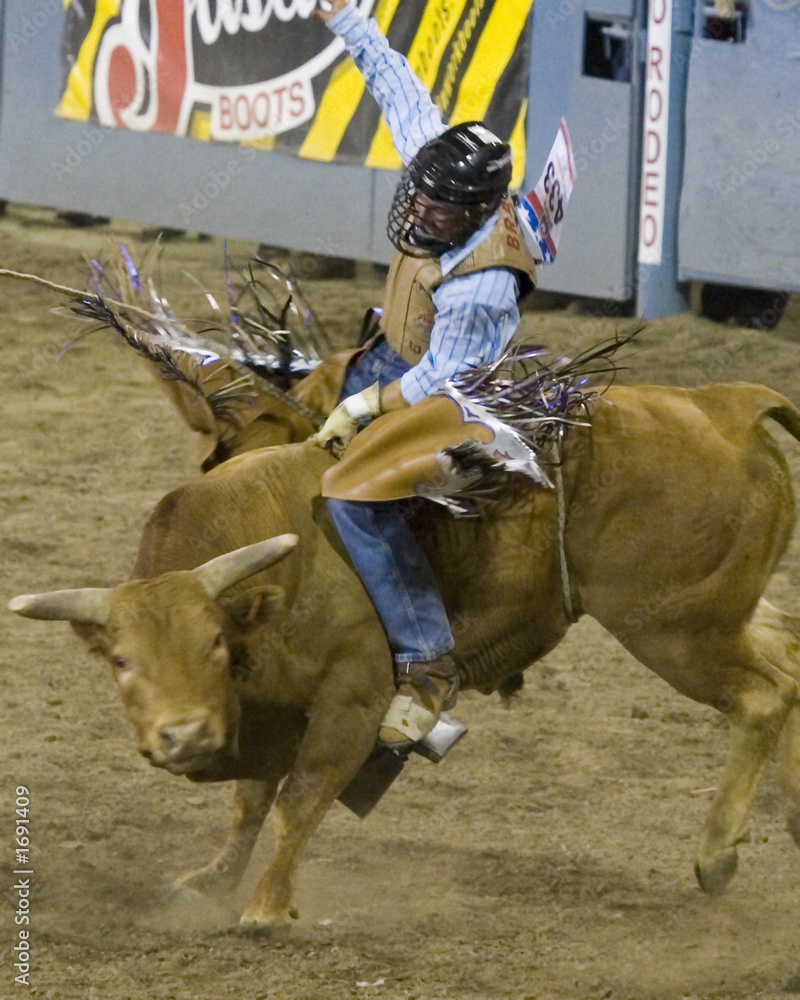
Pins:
<point x="734" y="409"/>
<point x="250" y="497"/>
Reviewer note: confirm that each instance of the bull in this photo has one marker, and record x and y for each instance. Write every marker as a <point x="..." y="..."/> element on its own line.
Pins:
<point x="244" y="646"/>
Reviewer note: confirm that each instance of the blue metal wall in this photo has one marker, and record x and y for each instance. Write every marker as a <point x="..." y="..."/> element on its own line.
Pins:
<point x="740" y="205"/>
<point x="597" y="252"/>
<point x="327" y="208"/>
<point x="159" y="179"/>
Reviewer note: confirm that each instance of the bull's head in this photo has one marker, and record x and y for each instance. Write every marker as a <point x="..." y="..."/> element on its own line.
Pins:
<point x="168" y="641"/>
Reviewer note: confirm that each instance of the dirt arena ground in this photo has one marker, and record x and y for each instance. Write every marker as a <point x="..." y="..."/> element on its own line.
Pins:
<point x="549" y="857"/>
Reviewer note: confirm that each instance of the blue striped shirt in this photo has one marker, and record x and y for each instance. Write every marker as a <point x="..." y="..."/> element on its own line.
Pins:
<point x="476" y="314"/>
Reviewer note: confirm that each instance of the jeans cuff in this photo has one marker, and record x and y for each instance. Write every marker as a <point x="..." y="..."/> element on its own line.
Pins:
<point x="425" y="657"/>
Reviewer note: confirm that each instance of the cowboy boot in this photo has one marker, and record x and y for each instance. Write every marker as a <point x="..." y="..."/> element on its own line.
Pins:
<point x="424" y="691"/>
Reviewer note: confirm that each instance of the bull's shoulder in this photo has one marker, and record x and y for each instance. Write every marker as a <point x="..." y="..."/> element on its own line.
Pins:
<point x="166" y="525"/>
<point x="252" y="496"/>
<point x="297" y="461"/>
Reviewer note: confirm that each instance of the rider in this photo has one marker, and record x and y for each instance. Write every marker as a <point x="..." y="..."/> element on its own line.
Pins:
<point x="451" y="301"/>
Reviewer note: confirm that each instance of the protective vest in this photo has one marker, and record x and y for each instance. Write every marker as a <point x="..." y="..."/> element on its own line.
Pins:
<point x="408" y="309"/>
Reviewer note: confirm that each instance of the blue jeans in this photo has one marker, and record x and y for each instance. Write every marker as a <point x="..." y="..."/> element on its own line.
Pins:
<point x="392" y="567"/>
<point x="381" y="363"/>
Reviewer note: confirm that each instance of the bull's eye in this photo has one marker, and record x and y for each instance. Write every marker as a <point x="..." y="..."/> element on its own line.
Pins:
<point x="119" y="662"/>
<point x="219" y="642"/>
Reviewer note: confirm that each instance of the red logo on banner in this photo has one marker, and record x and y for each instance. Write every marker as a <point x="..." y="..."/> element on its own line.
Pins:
<point x="161" y="58"/>
<point x="141" y="76"/>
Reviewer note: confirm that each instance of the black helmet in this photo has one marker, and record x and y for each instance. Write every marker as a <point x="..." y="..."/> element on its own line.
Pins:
<point x="466" y="167"/>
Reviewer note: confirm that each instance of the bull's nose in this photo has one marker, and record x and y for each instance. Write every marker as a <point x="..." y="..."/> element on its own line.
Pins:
<point x="181" y="738"/>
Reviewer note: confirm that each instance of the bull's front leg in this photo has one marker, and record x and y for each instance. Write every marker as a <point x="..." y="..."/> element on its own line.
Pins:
<point x="221" y="876"/>
<point x="269" y="739"/>
<point x="341" y="733"/>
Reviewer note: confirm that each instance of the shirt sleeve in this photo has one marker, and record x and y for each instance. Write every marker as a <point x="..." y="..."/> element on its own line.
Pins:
<point x="476" y="317"/>
<point x="412" y="117"/>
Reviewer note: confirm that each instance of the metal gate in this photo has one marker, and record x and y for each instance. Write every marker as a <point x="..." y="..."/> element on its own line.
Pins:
<point x="586" y="66"/>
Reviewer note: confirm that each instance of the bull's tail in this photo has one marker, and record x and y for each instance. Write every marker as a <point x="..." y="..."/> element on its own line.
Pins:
<point x="742" y="405"/>
<point x="787" y="415"/>
<point x="776" y="636"/>
<point x="228" y="380"/>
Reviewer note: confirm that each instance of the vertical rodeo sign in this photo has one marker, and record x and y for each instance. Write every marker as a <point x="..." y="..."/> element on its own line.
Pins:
<point x="656" y="115"/>
<point x="265" y="72"/>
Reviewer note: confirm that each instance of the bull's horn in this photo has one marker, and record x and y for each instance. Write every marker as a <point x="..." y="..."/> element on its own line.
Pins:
<point x="218" y="574"/>
<point x="89" y="604"/>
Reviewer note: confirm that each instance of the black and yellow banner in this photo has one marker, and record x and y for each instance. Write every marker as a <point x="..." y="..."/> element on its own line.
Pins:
<point x="263" y="72"/>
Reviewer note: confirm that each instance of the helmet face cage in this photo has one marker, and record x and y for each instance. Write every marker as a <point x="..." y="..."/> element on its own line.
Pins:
<point x="468" y="169"/>
<point x="400" y="228"/>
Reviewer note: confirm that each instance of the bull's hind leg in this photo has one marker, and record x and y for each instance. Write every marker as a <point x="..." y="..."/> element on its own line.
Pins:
<point x="790" y="771"/>
<point x="780" y="634"/>
<point x="757" y="715"/>
<point x="737" y="675"/>
<point x="222" y="875"/>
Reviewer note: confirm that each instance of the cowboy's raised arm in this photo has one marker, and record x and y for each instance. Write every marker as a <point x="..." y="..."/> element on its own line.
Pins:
<point x="412" y="117"/>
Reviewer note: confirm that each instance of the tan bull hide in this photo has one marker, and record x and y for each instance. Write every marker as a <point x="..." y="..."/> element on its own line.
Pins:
<point x="254" y="418"/>
<point x="678" y="506"/>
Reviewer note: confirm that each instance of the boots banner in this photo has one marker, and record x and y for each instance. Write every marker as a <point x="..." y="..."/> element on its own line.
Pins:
<point x="265" y="73"/>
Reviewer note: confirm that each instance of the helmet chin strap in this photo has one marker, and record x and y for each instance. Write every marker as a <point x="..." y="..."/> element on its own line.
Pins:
<point x="473" y="217"/>
<point x="410" y="238"/>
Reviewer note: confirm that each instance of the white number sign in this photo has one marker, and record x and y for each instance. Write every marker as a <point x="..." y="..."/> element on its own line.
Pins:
<point x="541" y="211"/>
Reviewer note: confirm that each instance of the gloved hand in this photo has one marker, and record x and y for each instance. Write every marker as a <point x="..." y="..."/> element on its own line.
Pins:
<point x="342" y="425"/>
<point x="328" y="8"/>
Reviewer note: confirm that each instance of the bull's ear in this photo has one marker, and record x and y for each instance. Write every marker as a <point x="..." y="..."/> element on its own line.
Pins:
<point x="254" y="608"/>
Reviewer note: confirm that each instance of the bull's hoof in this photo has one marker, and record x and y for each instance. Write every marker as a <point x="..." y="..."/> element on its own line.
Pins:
<point x="174" y="895"/>
<point x="714" y="877"/>
<point x="274" y="927"/>
<point x="792" y="984"/>
<point x="204" y="881"/>
<point x="277" y="933"/>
